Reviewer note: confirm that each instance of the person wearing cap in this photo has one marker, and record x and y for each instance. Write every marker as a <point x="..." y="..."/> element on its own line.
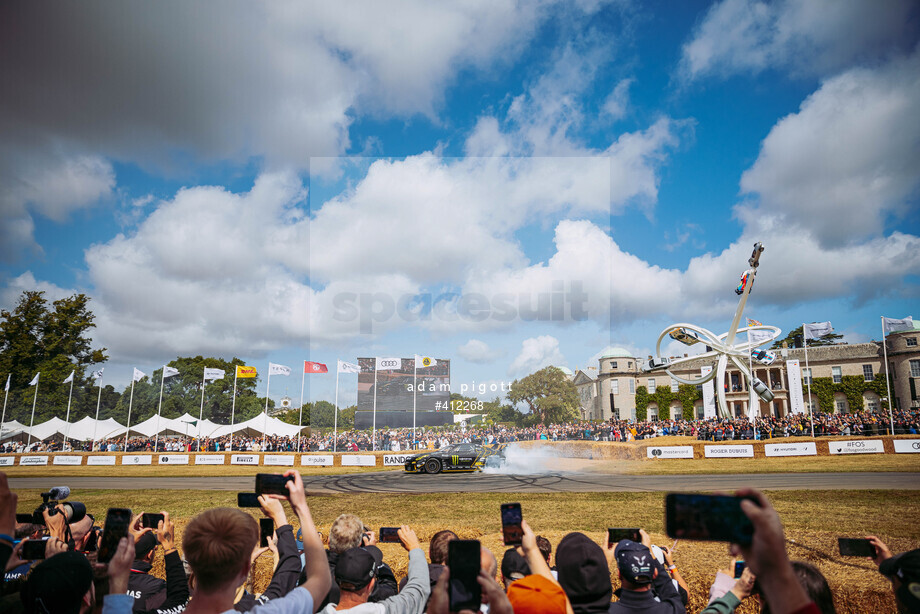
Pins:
<point x="355" y="575"/>
<point x="514" y="567"/>
<point x="903" y="571"/>
<point x="62" y="584"/>
<point x="584" y="574"/>
<point x="642" y="577"/>
<point x="148" y="591"/>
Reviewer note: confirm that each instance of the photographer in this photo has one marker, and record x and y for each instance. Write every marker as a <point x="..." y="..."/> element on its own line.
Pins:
<point x="151" y="593"/>
<point x="642" y="578"/>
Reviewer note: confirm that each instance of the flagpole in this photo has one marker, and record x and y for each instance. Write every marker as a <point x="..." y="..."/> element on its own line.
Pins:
<point x="67" y="419"/>
<point x="335" y="415"/>
<point x="268" y="385"/>
<point x="130" y="406"/>
<point x="887" y="379"/>
<point x="810" y="377"/>
<point x="751" y="399"/>
<point x="32" y="420"/>
<point x="6" y="396"/>
<point x="98" y="402"/>
<point x="414" y="396"/>
<point x="236" y="373"/>
<point x="156" y="437"/>
<point x="303" y="378"/>
<point x="201" y="411"/>
<point x="374" y="425"/>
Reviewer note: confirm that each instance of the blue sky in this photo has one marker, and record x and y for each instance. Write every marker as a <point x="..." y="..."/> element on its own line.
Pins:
<point x="234" y="186"/>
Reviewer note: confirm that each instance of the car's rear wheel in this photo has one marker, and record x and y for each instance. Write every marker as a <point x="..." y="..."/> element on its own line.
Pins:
<point x="432" y="465"/>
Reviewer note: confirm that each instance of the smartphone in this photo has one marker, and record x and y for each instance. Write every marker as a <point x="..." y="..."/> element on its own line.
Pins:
<point x="247" y="499"/>
<point x="512" y="532"/>
<point x="463" y="562"/>
<point x="24" y="518"/>
<point x="272" y="484"/>
<point x="617" y="535"/>
<point x="855" y="547"/>
<point x="389" y="535"/>
<point x="117" y="520"/>
<point x="34" y="549"/>
<point x="716" y="518"/>
<point x="151" y="520"/>
<point x="739" y="568"/>
<point x="266" y="528"/>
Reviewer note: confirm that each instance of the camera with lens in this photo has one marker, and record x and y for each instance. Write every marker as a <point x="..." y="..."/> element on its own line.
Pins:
<point x="74" y="511"/>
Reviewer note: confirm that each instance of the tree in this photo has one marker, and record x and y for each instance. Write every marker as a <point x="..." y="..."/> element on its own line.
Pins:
<point x="790" y="339"/>
<point x="548" y="393"/>
<point x="54" y="341"/>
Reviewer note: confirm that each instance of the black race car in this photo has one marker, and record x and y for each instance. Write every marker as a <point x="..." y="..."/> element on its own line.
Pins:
<point x="456" y="458"/>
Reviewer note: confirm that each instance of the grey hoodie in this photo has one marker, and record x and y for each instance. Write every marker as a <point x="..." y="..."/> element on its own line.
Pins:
<point x="410" y="600"/>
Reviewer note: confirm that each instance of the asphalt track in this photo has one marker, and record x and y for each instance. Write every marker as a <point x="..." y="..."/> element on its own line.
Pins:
<point x="399" y="482"/>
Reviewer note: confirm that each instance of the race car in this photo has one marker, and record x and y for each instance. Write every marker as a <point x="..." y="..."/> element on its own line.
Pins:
<point x="456" y="458"/>
<point x="744" y="280"/>
<point x="687" y="337"/>
<point x="764" y="356"/>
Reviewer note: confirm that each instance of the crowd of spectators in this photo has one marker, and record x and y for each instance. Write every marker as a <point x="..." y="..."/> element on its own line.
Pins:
<point x="219" y="547"/>
<point x="350" y="440"/>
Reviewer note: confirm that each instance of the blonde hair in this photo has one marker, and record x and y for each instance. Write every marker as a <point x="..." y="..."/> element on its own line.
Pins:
<point x="347" y="532"/>
<point x="217" y="545"/>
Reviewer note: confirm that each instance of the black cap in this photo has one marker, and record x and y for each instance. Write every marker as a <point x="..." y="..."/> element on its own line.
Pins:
<point x="57" y="584"/>
<point x="583" y="573"/>
<point x="144" y="545"/>
<point x="634" y="562"/>
<point x="514" y="567"/>
<point x="905" y="566"/>
<point x="355" y="569"/>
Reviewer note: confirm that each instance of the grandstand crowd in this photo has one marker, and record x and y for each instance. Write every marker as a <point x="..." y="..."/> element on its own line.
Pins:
<point x="793" y="425"/>
<point x="351" y="574"/>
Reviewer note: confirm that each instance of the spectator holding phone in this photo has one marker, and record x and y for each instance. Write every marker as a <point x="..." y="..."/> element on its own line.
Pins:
<point x="731" y="599"/>
<point x="902" y="570"/>
<point x="642" y="577"/>
<point x="151" y="593"/>
<point x="348" y="531"/>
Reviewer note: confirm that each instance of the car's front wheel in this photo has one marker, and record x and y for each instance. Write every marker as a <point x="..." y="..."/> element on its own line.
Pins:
<point x="432" y="465"/>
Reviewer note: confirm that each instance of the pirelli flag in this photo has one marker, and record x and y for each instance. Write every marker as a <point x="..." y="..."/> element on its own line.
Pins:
<point x="243" y="371"/>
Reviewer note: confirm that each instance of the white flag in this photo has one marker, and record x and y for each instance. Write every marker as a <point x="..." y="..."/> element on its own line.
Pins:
<point x="98" y="374"/>
<point x="169" y="371"/>
<point x="7" y="387"/>
<point x="760" y="336"/>
<point x="893" y="325"/>
<point x="388" y="364"/>
<point x="348" y="367"/>
<point x="423" y="361"/>
<point x="69" y="378"/>
<point x="138" y="375"/>
<point x="35" y="379"/>
<point x="817" y="330"/>
<point x="274" y="369"/>
<point x="210" y="374"/>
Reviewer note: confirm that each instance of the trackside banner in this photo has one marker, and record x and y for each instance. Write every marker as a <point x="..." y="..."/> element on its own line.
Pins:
<point x="6" y="461"/>
<point x="729" y="451"/>
<point x="100" y="460"/>
<point x="67" y="460"/>
<point x="244" y="459"/>
<point x="284" y="460"/>
<point x="395" y="460"/>
<point x="806" y="448"/>
<point x="359" y="460"/>
<point x="173" y="459"/>
<point x="209" y="459"/>
<point x="141" y="459"/>
<point x="859" y="446"/>
<point x="669" y="452"/>
<point x="907" y="446"/>
<point x="317" y="460"/>
<point x="33" y="460"/>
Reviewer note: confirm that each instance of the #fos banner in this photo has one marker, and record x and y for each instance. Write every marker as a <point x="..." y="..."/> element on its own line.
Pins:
<point x="796" y="400"/>
<point x="859" y="446"/>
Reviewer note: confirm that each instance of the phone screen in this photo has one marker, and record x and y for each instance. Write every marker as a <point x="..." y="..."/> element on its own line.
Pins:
<point x="389" y="535"/>
<point x="266" y="528"/>
<point x="247" y="499"/>
<point x="151" y="520"/>
<point x="512" y="532"/>
<point x="739" y="569"/>
<point x="463" y="562"/>
<point x="707" y="517"/>
<point x="855" y="547"/>
<point x="272" y="484"/>
<point x="617" y="535"/>
<point x="34" y="549"/>
<point x="117" y="520"/>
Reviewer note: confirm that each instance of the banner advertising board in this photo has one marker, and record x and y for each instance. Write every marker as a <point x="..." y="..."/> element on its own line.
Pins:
<point x="173" y="459"/>
<point x="6" y="461"/>
<point x="669" y="452"/>
<point x="285" y="460"/>
<point x="709" y="394"/>
<point x="317" y="460"/>
<point x="359" y="460"/>
<point x="67" y="460"/>
<point x="100" y="460"/>
<point x="796" y="399"/>
<point x="806" y="448"/>
<point x="856" y="446"/>
<point x="907" y="446"/>
<point x="729" y="451"/>
<point x="33" y="460"/>
<point x="142" y="459"/>
<point x="244" y="459"/>
<point x="209" y="459"/>
<point x="395" y="460"/>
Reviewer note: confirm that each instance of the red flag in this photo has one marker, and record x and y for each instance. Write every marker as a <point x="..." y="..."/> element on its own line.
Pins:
<point x="314" y="367"/>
